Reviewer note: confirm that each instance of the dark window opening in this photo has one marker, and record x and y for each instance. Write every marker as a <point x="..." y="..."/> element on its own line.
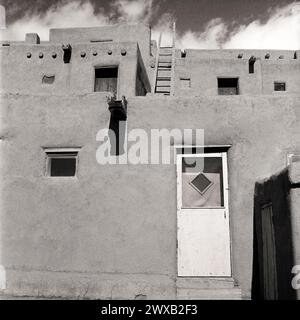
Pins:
<point x="62" y="164"/>
<point x="106" y="79"/>
<point x="279" y="86"/>
<point x="228" y="86"/>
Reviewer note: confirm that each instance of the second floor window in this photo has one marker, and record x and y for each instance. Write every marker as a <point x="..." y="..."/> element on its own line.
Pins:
<point x="106" y="79"/>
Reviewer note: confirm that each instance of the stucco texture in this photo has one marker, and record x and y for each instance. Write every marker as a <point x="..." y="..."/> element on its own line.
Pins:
<point x="114" y="226"/>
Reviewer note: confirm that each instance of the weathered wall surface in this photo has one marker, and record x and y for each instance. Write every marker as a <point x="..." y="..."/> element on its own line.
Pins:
<point x="203" y="67"/>
<point x="281" y="191"/>
<point x="24" y="75"/>
<point x="113" y="229"/>
<point x="140" y="33"/>
<point x="274" y="192"/>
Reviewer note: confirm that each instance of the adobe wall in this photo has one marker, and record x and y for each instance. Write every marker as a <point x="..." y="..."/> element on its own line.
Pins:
<point x="203" y="67"/>
<point x="139" y="33"/>
<point x="113" y="229"/>
<point x="23" y="75"/>
<point x="282" y="192"/>
<point x="294" y="176"/>
<point x="275" y="192"/>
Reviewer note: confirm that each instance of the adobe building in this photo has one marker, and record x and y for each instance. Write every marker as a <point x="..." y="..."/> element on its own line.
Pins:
<point x="73" y="228"/>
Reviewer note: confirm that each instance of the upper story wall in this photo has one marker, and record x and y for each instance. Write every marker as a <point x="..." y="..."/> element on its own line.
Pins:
<point x="197" y="73"/>
<point x="139" y="33"/>
<point x="23" y="66"/>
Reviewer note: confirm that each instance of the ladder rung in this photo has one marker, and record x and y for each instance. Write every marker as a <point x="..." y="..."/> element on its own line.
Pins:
<point x="164" y="68"/>
<point x="164" y="64"/>
<point x="163" y="83"/>
<point x="163" y="78"/>
<point x="163" y="92"/>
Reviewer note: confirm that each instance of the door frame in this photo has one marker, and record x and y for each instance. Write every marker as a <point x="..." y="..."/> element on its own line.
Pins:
<point x="202" y="154"/>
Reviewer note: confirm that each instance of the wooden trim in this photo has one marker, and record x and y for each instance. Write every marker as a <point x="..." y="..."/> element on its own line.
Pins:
<point x="156" y="65"/>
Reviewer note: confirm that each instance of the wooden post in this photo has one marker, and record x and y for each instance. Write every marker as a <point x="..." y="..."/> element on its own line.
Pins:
<point x="172" y="93"/>
<point x="156" y="65"/>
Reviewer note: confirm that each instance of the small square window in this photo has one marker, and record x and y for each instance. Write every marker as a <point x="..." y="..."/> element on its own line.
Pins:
<point x="185" y="83"/>
<point x="61" y="163"/>
<point x="228" y="86"/>
<point x="279" y="86"/>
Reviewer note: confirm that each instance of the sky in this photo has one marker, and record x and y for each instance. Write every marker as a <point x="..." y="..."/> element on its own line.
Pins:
<point x="200" y="24"/>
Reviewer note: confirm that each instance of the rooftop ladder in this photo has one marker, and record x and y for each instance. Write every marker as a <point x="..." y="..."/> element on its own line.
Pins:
<point x="163" y="82"/>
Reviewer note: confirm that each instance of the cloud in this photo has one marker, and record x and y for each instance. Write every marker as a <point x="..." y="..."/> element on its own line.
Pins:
<point x="134" y="10"/>
<point x="280" y="31"/>
<point x="210" y="38"/>
<point x="79" y="14"/>
<point x="72" y="14"/>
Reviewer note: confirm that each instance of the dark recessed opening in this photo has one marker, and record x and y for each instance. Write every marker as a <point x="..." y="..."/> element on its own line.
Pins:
<point x="62" y="164"/>
<point x="251" y="64"/>
<point x="100" y="40"/>
<point x="228" y="86"/>
<point x="63" y="167"/>
<point x="106" y="79"/>
<point x="48" y="79"/>
<point x="67" y="53"/>
<point x="279" y="86"/>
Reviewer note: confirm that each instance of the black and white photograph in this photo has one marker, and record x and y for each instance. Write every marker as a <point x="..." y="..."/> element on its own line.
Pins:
<point x="149" y="150"/>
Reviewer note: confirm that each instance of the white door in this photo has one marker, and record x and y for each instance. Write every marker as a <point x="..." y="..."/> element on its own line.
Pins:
<point x="203" y="247"/>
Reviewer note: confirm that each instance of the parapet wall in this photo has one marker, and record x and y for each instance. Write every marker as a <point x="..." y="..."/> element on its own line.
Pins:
<point x="202" y="68"/>
<point x="139" y="33"/>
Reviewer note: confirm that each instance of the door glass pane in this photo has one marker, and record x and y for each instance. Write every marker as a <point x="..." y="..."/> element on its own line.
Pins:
<point x="202" y="182"/>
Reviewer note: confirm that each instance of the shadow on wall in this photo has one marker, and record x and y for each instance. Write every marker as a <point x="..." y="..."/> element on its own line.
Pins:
<point x="273" y="247"/>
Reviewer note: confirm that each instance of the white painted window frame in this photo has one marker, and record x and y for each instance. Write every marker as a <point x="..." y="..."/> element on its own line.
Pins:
<point x="51" y="153"/>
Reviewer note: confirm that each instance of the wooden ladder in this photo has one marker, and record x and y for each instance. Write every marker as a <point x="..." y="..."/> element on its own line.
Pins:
<point x="163" y="82"/>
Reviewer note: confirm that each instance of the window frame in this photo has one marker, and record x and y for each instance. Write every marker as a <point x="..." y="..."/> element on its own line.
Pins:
<point x="237" y="87"/>
<point x="65" y="153"/>
<point x="113" y="66"/>
<point x="280" y="82"/>
<point x="184" y="80"/>
<point x="223" y="156"/>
